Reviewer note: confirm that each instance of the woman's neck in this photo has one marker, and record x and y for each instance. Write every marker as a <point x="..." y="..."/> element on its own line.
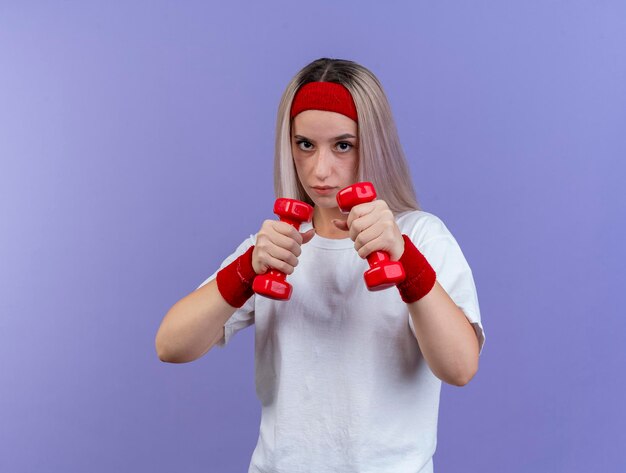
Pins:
<point x="324" y="227"/>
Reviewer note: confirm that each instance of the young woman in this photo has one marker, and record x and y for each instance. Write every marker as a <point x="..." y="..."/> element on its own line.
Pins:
<point x="348" y="379"/>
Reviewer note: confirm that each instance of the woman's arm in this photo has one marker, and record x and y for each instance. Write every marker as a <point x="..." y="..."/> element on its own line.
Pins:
<point x="196" y="322"/>
<point x="445" y="336"/>
<point x="193" y="325"/>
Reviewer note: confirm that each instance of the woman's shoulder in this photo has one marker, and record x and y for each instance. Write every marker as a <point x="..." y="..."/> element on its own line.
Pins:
<point x="247" y="243"/>
<point x="422" y="226"/>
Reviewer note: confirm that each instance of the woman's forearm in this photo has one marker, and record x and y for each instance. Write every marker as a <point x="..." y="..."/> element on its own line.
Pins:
<point x="192" y="325"/>
<point x="445" y="336"/>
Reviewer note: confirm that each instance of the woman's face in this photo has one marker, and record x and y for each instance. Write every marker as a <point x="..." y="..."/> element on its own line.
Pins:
<point x="325" y="151"/>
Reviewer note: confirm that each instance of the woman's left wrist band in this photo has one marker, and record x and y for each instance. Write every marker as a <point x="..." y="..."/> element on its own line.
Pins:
<point x="235" y="280"/>
<point x="420" y="275"/>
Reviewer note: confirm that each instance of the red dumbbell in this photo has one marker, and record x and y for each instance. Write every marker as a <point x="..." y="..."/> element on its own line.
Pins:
<point x="383" y="272"/>
<point x="273" y="283"/>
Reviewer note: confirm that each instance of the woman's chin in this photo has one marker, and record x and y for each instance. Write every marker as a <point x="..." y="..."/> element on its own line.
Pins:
<point x="325" y="202"/>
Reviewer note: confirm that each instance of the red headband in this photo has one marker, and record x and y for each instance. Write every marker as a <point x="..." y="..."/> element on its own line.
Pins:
<point x="328" y="96"/>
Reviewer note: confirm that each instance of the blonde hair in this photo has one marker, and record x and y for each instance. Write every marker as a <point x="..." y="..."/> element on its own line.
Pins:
<point x="381" y="158"/>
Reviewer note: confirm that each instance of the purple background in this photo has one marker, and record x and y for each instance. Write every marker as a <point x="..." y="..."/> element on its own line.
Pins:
<point x="136" y="143"/>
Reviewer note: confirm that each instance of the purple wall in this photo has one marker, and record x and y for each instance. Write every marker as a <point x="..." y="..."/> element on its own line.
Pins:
<point x="136" y="144"/>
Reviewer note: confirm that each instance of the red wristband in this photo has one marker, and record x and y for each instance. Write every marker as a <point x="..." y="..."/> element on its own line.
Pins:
<point x="420" y="275"/>
<point x="235" y="280"/>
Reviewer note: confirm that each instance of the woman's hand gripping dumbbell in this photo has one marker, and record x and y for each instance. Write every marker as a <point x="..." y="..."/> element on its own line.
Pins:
<point x="278" y="247"/>
<point x="264" y="266"/>
<point x="383" y="272"/>
<point x="412" y="274"/>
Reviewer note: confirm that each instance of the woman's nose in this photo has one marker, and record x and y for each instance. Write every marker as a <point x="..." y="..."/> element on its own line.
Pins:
<point x="323" y="164"/>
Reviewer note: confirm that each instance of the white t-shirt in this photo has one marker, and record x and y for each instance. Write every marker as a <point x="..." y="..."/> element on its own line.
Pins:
<point x="342" y="382"/>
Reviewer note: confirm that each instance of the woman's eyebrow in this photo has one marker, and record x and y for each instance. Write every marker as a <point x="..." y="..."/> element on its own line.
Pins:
<point x="340" y="137"/>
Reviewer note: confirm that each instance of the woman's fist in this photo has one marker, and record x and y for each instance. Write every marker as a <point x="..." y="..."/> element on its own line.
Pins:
<point x="278" y="247"/>
<point x="372" y="227"/>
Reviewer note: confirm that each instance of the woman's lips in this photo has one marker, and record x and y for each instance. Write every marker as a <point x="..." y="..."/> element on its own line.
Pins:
<point x="323" y="190"/>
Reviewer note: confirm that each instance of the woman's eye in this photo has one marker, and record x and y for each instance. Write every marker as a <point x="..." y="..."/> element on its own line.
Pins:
<point x="301" y="142"/>
<point x="348" y="146"/>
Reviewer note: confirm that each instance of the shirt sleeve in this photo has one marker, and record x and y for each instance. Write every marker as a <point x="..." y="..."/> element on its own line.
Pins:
<point x="453" y="274"/>
<point x="244" y="315"/>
